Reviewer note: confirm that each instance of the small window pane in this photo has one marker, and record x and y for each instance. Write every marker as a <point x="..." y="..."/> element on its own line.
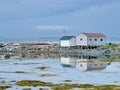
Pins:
<point x="95" y="39"/>
<point x="101" y="39"/>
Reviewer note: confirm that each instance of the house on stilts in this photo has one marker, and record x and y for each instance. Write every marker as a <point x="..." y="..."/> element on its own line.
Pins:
<point x="84" y="40"/>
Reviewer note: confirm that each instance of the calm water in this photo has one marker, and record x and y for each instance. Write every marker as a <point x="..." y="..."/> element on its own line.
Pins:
<point x="79" y="70"/>
<point x="41" y="39"/>
<point x="3" y="40"/>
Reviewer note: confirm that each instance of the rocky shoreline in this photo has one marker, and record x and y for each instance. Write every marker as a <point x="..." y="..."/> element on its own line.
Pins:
<point x="53" y="48"/>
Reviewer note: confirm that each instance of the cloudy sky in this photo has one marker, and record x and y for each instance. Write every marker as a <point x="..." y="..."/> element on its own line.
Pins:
<point x="54" y="18"/>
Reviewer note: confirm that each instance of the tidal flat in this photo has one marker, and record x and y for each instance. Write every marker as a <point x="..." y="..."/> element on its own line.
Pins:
<point x="63" y="73"/>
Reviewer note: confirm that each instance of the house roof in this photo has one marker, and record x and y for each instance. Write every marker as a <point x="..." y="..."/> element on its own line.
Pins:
<point x="94" y="34"/>
<point x="66" y="37"/>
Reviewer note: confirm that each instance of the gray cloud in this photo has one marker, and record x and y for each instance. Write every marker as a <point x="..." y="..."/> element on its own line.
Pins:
<point x="50" y="15"/>
<point x="23" y="9"/>
<point x="53" y="27"/>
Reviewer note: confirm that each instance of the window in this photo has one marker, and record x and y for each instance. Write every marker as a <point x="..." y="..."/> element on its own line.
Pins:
<point x="81" y="39"/>
<point x="101" y="39"/>
<point x="81" y="65"/>
<point x="95" y="39"/>
<point x="95" y="64"/>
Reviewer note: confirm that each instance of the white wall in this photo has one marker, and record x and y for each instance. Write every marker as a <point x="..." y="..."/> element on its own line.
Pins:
<point x="86" y="40"/>
<point x="67" y="43"/>
<point x="80" y="42"/>
<point x="92" y="42"/>
<point x="72" y="42"/>
<point x="64" y="43"/>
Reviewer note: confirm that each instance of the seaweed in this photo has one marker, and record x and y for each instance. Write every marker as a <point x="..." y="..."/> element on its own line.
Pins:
<point x="65" y="86"/>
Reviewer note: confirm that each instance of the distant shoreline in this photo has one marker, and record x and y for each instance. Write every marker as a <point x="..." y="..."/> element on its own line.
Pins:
<point x="39" y="39"/>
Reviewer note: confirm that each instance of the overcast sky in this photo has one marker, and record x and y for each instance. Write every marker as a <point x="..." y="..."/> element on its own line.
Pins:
<point x="54" y="18"/>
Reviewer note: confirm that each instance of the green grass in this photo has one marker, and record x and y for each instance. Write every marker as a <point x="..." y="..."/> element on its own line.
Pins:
<point x="112" y="46"/>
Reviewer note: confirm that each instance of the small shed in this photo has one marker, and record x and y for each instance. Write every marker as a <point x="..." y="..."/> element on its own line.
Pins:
<point x="67" y="41"/>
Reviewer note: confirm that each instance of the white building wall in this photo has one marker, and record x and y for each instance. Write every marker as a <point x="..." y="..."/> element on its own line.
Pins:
<point x="81" y="40"/>
<point x="64" y="43"/>
<point x="67" y="43"/>
<point x="72" y="42"/>
<point x="91" y="41"/>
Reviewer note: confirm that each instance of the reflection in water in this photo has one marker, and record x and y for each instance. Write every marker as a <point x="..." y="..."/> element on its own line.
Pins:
<point x="83" y="64"/>
<point x="50" y="69"/>
<point x="87" y="66"/>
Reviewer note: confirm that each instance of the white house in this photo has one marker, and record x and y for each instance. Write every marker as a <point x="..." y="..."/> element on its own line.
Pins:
<point x="67" y="41"/>
<point x="90" y="39"/>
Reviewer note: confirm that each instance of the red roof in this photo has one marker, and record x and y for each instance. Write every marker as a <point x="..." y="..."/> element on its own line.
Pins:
<point x="94" y="34"/>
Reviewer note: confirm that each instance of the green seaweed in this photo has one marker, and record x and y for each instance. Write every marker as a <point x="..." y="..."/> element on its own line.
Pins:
<point x="67" y="81"/>
<point x="27" y="89"/>
<point x="4" y="87"/>
<point x="47" y="75"/>
<point x="65" y="86"/>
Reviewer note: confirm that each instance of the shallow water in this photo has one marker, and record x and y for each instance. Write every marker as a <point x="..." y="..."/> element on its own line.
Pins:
<point x="80" y="71"/>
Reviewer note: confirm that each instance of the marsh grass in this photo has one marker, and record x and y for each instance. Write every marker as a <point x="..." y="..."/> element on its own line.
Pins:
<point x="33" y="83"/>
<point x="4" y="87"/>
<point x="113" y="46"/>
<point x="67" y="81"/>
<point x="47" y="75"/>
<point x="42" y="68"/>
<point x="27" y="89"/>
<point x="110" y="60"/>
<point x="43" y="89"/>
<point x="67" y="86"/>
<point x="18" y="72"/>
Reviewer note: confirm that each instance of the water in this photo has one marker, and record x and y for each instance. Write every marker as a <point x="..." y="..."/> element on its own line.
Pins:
<point x="113" y="39"/>
<point x="41" y="39"/>
<point x="3" y="40"/>
<point x="78" y="70"/>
